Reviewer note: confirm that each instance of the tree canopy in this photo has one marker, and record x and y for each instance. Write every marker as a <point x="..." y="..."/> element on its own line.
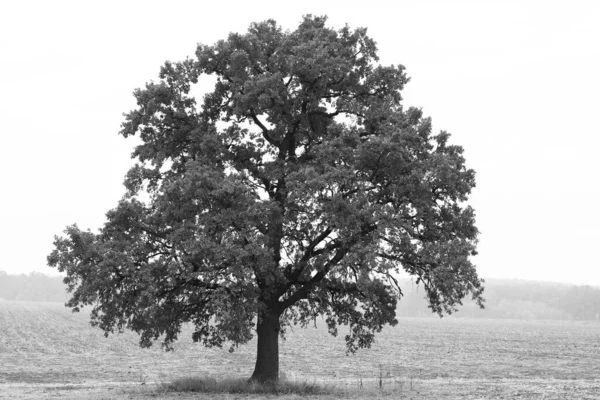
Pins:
<point x="298" y="187"/>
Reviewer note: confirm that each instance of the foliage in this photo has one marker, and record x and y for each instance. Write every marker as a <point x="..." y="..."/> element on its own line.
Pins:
<point x="299" y="187"/>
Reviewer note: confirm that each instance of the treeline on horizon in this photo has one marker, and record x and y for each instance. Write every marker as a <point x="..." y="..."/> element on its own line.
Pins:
<point x="516" y="299"/>
<point x="34" y="286"/>
<point x="505" y="299"/>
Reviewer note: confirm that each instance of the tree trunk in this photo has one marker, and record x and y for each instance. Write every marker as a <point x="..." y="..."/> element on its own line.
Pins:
<point x="267" y="353"/>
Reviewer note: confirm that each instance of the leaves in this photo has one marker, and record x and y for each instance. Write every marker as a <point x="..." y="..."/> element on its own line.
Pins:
<point x="300" y="185"/>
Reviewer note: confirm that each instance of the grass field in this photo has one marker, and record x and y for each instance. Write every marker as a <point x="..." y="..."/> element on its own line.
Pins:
<point x="48" y="352"/>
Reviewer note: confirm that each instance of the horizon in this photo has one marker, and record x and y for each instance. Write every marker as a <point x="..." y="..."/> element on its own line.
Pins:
<point x="53" y="274"/>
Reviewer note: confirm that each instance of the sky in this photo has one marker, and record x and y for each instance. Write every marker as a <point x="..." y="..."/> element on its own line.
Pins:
<point x="516" y="83"/>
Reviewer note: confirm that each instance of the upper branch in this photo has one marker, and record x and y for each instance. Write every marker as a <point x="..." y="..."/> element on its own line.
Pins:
<point x="308" y="286"/>
<point x="293" y="275"/>
<point x="264" y="129"/>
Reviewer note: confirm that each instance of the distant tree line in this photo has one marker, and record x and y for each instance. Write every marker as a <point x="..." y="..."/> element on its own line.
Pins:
<point x="505" y="299"/>
<point x="32" y="287"/>
<point x="514" y="299"/>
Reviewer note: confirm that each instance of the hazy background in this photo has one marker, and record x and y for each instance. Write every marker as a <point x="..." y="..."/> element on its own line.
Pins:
<point x="505" y="299"/>
<point x="515" y="82"/>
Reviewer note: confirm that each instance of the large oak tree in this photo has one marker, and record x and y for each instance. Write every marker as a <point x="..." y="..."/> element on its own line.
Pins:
<point x="298" y="187"/>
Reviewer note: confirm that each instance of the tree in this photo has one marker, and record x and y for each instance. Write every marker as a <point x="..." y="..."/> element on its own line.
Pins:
<point x="299" y="188"/>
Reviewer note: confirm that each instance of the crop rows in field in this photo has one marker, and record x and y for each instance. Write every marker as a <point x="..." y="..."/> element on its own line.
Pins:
<point x="45" y="343"/>
<point x="429" y="348"/>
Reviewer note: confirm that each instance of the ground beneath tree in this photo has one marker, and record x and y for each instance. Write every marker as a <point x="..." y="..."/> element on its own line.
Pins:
<point x="448" y="389"/>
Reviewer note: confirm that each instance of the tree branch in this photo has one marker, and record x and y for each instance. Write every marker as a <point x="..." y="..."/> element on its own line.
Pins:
<point x="309" y="253"/>
<point x="308" y="286"/>
<point x="264" y="129"/>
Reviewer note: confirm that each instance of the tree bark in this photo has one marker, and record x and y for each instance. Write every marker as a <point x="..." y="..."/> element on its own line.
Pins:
<point x="267" y="353"/>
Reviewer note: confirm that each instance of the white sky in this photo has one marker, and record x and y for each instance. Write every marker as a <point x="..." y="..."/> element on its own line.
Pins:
<point x="515" y="82"/>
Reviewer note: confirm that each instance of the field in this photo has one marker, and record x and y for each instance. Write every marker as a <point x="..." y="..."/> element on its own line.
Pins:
<point x="48" y="352"/>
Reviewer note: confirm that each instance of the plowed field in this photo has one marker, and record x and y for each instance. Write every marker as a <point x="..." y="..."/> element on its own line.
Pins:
<point x="48" y="352"/>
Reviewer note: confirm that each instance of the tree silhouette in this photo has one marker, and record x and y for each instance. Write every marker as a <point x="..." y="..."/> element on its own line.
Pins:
<point x="298" y="188"/>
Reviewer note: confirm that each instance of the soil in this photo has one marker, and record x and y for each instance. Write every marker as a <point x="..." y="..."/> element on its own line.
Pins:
<point x="46" y="352"/>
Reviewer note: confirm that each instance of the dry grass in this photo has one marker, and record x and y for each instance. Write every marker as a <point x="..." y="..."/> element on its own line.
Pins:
<point x="47" y="352"/>
<point x="242" y="386"/>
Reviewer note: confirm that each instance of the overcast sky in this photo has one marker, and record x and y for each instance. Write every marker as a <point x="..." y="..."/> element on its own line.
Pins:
<point x="516" y="83"/>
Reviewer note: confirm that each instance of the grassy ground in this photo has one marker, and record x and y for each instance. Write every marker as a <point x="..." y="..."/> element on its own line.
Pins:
<point x="47" y="352"/>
